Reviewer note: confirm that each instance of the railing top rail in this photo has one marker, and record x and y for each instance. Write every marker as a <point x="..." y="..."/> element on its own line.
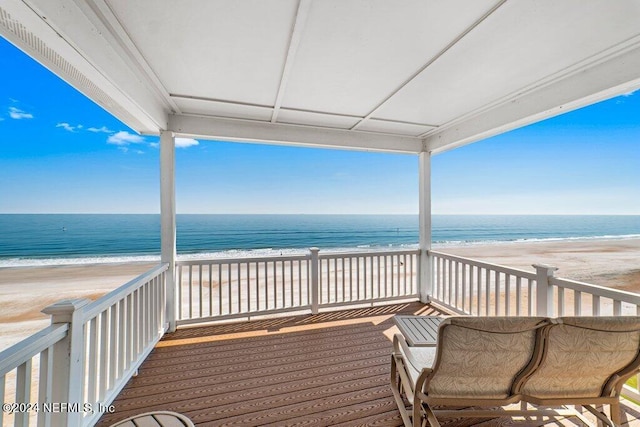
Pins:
<point x="98" y="306"/>
<point x="502" y="269"/>
<point x="19" y="353"/>
<point x="243" y="260"/>
<point x="354" y="254"/>
<point x="614" y="294"/>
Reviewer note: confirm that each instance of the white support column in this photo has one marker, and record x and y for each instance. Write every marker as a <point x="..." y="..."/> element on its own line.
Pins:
<point x="168" y="221"/>
<point x="425" y="279"/>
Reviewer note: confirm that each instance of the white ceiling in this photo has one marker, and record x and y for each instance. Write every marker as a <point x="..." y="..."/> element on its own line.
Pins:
<point x="389" y="75"/>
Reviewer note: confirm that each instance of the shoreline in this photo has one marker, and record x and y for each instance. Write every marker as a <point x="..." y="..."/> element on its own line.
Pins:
<point x="25" y="291"/>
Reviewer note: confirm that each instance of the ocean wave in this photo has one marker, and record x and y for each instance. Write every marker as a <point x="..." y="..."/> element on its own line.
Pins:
<point x="102" y="259"/>
<point x="449" y="243"/>
<point x="267" y="252"/>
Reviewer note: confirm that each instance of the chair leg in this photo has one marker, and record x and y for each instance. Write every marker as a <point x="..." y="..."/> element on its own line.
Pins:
<point x="430" y="417"/>
<point x="614" y="413"/>
<point x="397" y="390"/>
<point x="418" y="421"/>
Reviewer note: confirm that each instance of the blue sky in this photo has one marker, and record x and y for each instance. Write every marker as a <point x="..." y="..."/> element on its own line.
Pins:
<point x="61" y="153"/>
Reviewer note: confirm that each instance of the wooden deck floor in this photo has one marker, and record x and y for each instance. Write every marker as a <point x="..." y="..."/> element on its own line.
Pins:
<point x="330" y="369"/>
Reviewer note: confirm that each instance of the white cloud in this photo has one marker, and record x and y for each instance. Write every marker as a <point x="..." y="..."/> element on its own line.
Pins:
<point x="102" y="129"/>
<point x="67" y="126"/>
<point x="124" y="138"/>
<point x="154" y="144"/>
<point x="16" y="113"/>
<point x="186" y="142"/>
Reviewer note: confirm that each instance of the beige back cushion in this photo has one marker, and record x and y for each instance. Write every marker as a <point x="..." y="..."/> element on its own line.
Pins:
<point x="479" y="357"/>
<point x="582" y="354"/>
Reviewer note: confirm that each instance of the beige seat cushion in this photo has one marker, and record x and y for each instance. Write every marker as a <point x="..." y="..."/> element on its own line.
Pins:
<point x="582" y="353"/>
<point x="479" y="357"/>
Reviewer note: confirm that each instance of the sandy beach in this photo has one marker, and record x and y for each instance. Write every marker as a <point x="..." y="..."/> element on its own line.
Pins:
<point x="25" y="291"/>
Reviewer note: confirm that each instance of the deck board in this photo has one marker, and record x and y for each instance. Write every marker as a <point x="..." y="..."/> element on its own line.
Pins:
<point x="311" y="370"/>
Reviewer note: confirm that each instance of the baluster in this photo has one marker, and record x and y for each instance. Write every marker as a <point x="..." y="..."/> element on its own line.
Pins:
<point x="179" y="284"/>
<point x="190" y="280"/>
<point x="595" y="308"/>
<point x="487" y="287"/>
<point x="23" y="392"/>
<point x="530" y="294"/>
<point x="266" y="285"/>
<point x="299" y="268"/>
<point x="357" y="278"/>
<point x="130" y="333"/>
<point x="497" y="292"/>
<point x="479" y="289"/>
<point x="239" y="287"/>
<point x="333" y="279"/>
<point x="200" y="291"/>
<point x="229" y="288"/>
<point x="103" y="354"/>
<point x="93" y="356"/>
<point x="113" y="348"/>
<point x="44" y="386"/>
<point x="246" y="268"/>
<point x="463" y="273"/>
<point x="507" y="294"/>
<point x="282" y="284"/>
<point x="210" y="267"/>
<point x="388" y="267"/>
<point x="122" y="330"/>
<point x="560" y="301"/>
<point x="344" y="286"/>
<point x="577" y="303"/>
<point x="617" y="307"/>
<point x="518" y="295"/>
<point x="257" y="286"/>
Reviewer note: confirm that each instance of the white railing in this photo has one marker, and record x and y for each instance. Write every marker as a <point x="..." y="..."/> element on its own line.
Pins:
<point x="70" y="372"/>
<point x="25" y="377"/>
<point x="474" y="287"/>
<point x="233" y="288"/>
<point x="374" y="277"/>
<point x="573" y="298"/>
<point x="481" y="289"/>
<point x="120" y="330"/>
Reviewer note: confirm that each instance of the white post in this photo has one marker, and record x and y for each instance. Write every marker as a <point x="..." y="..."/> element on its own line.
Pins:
<point x="425" y="270"/>
<point x="544" y="292"/>
<point x="67" y="375"/>
<point x="315" y="276"/>
<point x="168" y="221"/>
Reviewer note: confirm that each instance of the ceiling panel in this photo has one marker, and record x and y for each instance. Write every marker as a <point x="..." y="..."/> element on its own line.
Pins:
<point x="221" y="109"/>
<point x="317" y="119"/>
<point x="223" y="49"/>
<point x="399" y="128"/>
<point x="354" y="54"/>
<point x="517" y="46"/>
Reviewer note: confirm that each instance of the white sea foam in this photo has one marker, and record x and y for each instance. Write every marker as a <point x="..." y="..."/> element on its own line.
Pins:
<point x="265" y="252"/>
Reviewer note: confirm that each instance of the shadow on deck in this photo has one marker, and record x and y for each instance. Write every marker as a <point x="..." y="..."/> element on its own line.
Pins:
<point x="312" y="370"/>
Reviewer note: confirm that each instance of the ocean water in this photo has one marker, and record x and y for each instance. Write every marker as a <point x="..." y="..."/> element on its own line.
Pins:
<point x="29" y="239"/>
